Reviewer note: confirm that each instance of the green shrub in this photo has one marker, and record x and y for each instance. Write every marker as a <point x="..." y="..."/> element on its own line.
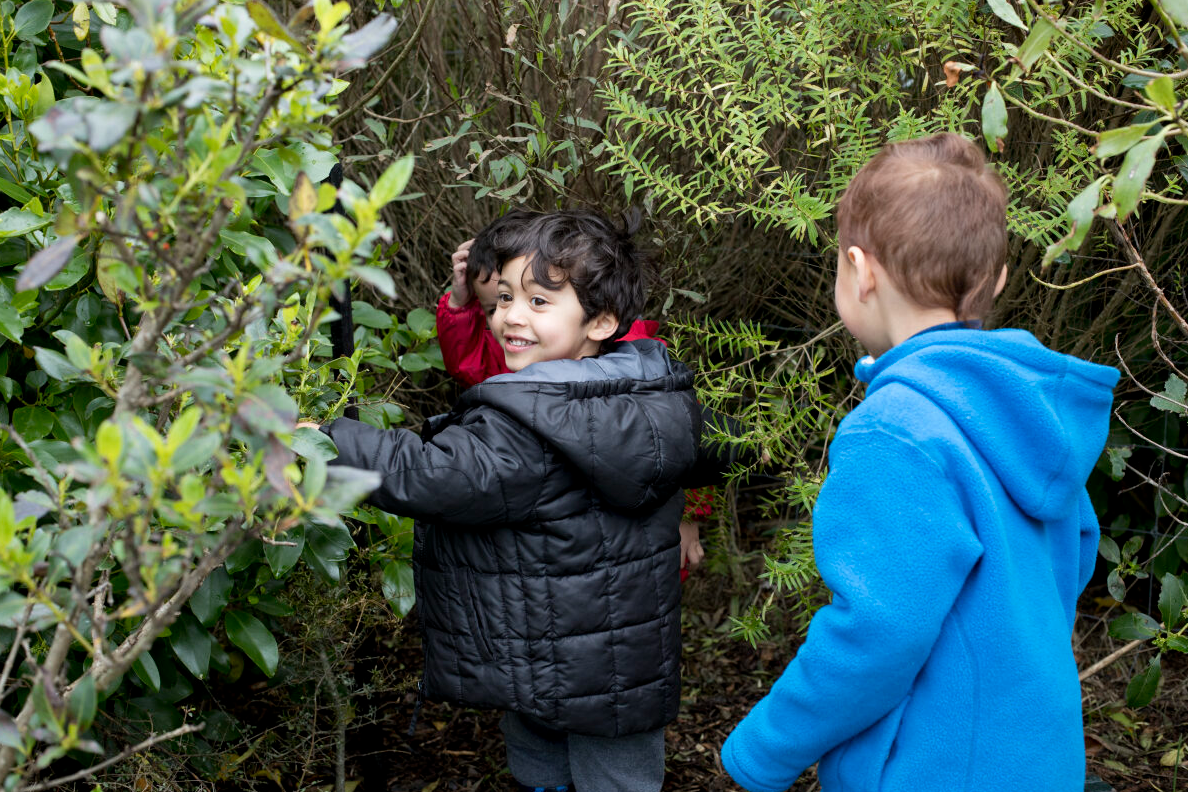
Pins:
<point x="166" y="260"/>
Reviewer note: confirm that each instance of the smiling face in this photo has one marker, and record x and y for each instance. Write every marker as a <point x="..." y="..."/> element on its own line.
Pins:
<point x="535" y="324"/>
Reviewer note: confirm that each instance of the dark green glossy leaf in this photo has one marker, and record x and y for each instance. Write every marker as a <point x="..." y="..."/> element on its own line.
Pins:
<point x="282" y="558"/>
<point x="397" y="586"/>
<point x="83" y="702"/>
<point x="55" y="364"/>
<point x="1144" y="684"/>
<point x="33" y="422"/>
<point x="1173" y="598"/>
<point x="249" y="634"/>
<point x="191" y="643"/>
<point x="1134" y="627"/>
<point x="145" y="668"/>
<point x="211" y="597"/>
<point x="32" y="18"/>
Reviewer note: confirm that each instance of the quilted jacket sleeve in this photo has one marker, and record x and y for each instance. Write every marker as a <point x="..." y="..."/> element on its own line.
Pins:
<point x="470" y="473"/>
<point x="470" y="353"/>
<point x="715" y="458"/>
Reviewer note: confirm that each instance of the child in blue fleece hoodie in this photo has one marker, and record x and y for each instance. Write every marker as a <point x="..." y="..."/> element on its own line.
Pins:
<point x="954" y="528"/>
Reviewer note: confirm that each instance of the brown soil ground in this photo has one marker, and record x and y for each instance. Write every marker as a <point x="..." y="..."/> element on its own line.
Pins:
<point x="454" y="749"/>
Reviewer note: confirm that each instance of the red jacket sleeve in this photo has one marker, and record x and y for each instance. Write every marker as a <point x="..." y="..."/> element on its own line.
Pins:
<point x="469" y="351"/>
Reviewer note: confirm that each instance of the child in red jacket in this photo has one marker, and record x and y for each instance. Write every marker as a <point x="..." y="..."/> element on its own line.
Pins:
<point x="471" y="353"/>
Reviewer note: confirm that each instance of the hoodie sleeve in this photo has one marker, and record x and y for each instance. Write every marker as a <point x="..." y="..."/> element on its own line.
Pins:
<point x="470" y="353"/>
<point x="468" y="474"/>
<point x="1090" y="539"/>
<point x="895" y="547"/>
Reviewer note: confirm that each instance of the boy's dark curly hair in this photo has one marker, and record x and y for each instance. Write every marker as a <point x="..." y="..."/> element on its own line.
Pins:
<point x="575" y="246"/>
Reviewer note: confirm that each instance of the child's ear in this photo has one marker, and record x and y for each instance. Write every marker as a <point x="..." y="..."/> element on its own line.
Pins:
<point x="866" y="267"/>
<point x="1002" y="276"/>
<point x="601" y="327"/>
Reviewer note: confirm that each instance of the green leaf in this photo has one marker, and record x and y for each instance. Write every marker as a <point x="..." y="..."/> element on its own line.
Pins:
<point x="1177" y="10"/>
<point x="182" y="428"/>
<point x="1132" y="178"/>
<point x="1118" y="141"/>
<point x="414" y="361"/>
<point x="1162" y="91"/>
<point x="73" y="544"/>
<point x="392" y="182"/>
<point x="267" y="22"/>
<point x="146" y="669"/>
<point x="1173" y="598"/>
<point x="422" y="322"/>
<point x="11" y="325"/>
<point x="1144" y="684"/>
<point x="15" y="191"/>
<point x="377" y="278"/>
<point x="365" y="315"/>
<point x="10" y="735"/>
<point x="1006" y="12"/>
<point x="191" y="643"/>
<point x="1109" y="550"/>
<point x="197" y="452"/>
<point x="55" y="364"/>
<point x="1134" y="627"/>
<point x="994" y="118"/>
<point x="32" y="18"/>
<point x="46" y="263"/>
<point x="19" y="222"/>
<point x="397" y="586"/>
<point x="249" y="634"/>
<point x="282" y="558"/>
<point x="1035" y="43"/>
<point x="1174" y="397"/>
<point x="211" y="597"/>
<point x="32" y="422"/>
<point x="1080" y="212"/>
<point x="83" y="702"/>
<point x="313" y="444"/>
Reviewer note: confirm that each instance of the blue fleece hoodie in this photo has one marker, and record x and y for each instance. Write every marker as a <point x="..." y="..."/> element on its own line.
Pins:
<point x="955" y="533"/>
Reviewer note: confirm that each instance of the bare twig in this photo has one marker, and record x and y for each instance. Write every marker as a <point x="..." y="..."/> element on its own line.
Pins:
<point x="144" y="745"/>
<point x="426" y="11"/>
<point x="1110" y="658"/>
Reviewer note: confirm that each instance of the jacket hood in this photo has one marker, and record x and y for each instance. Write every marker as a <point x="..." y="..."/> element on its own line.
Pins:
<point x="627" y="419"/>
<point x="1038" y="417"/>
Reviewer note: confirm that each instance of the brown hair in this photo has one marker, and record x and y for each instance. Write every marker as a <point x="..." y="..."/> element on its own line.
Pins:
<point x="933" y="213"/>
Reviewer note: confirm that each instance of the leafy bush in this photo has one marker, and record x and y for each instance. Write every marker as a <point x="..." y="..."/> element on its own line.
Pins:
<point x="166" y="262"/>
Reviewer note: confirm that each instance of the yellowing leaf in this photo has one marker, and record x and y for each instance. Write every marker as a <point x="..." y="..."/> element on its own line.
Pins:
<point x="82" y="21"/>
<point x="304" y="198"/>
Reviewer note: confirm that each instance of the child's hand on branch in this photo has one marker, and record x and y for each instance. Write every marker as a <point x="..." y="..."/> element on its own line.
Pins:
<point x="461" y="294"/>
<point x="692" y="552"/>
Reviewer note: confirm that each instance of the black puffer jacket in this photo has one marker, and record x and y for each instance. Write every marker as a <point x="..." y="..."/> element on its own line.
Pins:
<point x="547" y="548"/>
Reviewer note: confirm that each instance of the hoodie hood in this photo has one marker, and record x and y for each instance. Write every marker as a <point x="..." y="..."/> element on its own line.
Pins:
<point x="1039" y="418"/>
<point x="627" y="419"/>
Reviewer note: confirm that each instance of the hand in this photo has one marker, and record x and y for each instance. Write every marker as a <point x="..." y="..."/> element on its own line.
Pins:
<point x="692" y="552"/>
<point x="308" y="425"/>
<point x="461" y="294"/>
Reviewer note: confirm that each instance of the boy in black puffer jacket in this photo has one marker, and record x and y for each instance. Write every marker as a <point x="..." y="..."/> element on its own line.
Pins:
<point x="548" y="503"/>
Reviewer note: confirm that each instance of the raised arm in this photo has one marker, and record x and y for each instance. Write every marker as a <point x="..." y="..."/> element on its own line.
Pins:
<point x="468" y="474"/>
<point x="895" y="547"/>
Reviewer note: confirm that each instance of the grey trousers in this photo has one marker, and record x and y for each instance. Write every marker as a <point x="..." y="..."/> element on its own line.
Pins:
<point x="541" y="757"/>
